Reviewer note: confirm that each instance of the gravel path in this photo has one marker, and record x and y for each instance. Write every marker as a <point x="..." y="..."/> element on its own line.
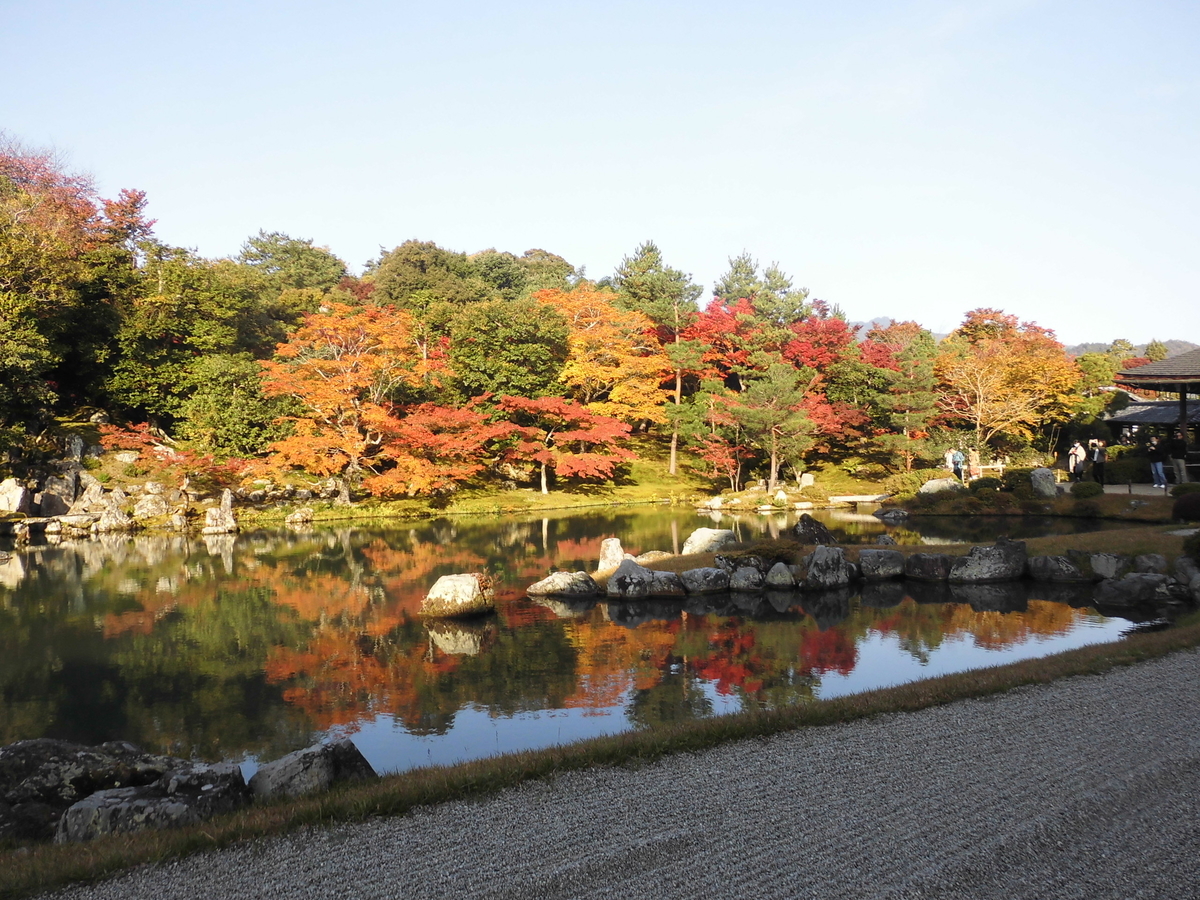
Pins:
<point x="1086" y="788"/>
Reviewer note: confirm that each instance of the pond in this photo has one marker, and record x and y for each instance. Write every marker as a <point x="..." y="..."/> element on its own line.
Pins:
<point x="248" y="647"/>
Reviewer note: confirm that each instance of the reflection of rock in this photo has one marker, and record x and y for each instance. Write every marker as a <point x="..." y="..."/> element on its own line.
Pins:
<point x="1003" y="561"/>
<point x="782" y="601"/>
<point x="706" y="580"/>
<point x="828" y="608"/>
<point x="808" y="530"/>
<point x="12" y="571"/>
<point x="183" y="796"/>
<point x="1056" y="570"/>
<point x="928" y="591"/>
<point x="880" y="565"/>
<point x="630" y="615"/>
<point x="998" y="597"/>
<point x="612" y="554"/>
<point x="927" y="567"/>
<point x="312" y="769"/>
<point x="459" y="595"/>
<point x="630" y="581"/>
<point x="458" y="639"/>
<point x="564" y="584"/>
<point x="1077" y="594"/>
<point x="1133" y="589"/>
<point x="708" y="540"/>
<point x="882" y="593"/>
<point x="566" y="608"/>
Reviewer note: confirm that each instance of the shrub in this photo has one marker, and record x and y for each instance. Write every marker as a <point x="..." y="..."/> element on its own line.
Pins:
<point x="910" y="482"/>
<point x="1016" y="477"/>
<point x="1190" y="487"/>
<point x="1085" y="490"/>
<point x="985" y="484"/>
<point x="1024" y="492"/>
<point x="1191" y="546"/>
<point x="91" y="463"/>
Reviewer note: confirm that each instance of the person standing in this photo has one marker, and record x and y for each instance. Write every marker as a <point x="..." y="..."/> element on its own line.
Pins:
<point x="956" y="463"/>
<point x="1177" y="450"/>
<point x="974" y="464"/>
<point x="1076" y="461"/>
<point x="1157" y="456"/>
<point x="1099" y="458"/>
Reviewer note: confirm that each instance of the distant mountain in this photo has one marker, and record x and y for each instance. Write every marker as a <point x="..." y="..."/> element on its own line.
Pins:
<point x="1174" y="348"/>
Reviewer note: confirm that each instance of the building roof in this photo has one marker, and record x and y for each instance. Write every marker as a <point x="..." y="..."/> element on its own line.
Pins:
<point x="1179" y="373"/>
<point x="1160" y="412"/>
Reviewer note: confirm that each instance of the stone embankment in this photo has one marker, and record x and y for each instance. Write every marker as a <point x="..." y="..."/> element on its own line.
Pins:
<point x="60" y="791"/>
<point x="1119" y="581"/>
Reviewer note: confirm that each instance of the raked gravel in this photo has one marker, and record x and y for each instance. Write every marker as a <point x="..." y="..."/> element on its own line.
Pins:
<point x="1088" y="788"/>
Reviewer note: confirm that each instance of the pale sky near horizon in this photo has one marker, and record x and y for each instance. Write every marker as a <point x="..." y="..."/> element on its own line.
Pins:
<point x="907" y="159"/>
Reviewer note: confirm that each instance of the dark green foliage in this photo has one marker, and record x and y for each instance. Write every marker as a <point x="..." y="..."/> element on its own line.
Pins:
<point x="506" y="274"/>
<point x="904" y="483"/>
<point x="419" y="274"/>
<point x="646" y="284"/>
<point x="775" y="300"/>
<point x="986" y="484"/>
<point x="226" y="412"/>
<point x="1016" y="477"/>
<point x="502" y="347"/>
<point x="1084" y="490"/>
<point x="292" y="262"/>
<point x="1190" y="487"/>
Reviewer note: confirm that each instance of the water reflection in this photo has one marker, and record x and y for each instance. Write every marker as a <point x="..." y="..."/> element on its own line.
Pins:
<point x="227" y="646"/>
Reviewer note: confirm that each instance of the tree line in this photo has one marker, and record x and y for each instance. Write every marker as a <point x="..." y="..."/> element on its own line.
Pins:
<point x="435" y="367"/>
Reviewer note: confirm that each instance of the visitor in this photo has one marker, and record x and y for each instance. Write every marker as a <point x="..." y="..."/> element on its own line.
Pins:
<point x="1177" y="449"/>
<point x="1099" y="458"/>
<point x="1157" y="456"/>
<point x="974" y="464"/>
<point x="1076" y="461"/>
<point x="957" y="460"/>
<point x="950" y="458"/>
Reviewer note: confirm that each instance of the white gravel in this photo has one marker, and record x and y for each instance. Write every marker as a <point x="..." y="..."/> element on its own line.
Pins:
<point x="1086" y="788"/>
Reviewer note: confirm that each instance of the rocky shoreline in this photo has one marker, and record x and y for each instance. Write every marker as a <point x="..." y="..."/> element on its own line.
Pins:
<point x="52" y="790"/>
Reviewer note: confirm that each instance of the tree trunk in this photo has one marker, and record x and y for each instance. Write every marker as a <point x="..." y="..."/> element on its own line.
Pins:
<point x="675" y="430"/>
<point x="545" y="485"/>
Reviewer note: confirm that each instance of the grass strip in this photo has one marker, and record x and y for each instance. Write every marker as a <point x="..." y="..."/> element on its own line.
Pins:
<point x="29" y="870"/>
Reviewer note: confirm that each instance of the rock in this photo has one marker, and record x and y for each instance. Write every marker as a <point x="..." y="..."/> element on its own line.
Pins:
<point x="746" y="578"/>
<point x="781" y="497"/>
<point x="91" y="499"/>
<point x="827" y="568"/>
<point x="41" y="778"/>
<point x="1153" y="563"/>
<point x="1100" y="566"/>
<point x="459" y="595"/>
<point x="14" y="497"/>
<point x="1055" y="569"/>
<point x="75" y="447"/>
<point x="880" y="565"/>
<point x="629" y="581"/>
<point x="712" y="503"/>
<point x="182" y="796"/>
<point x="564" y="584"/>
<point x="941" y="485"/>
<point x="808" y="530"/>
<point x="666" y="584"/>
<point x="780" y="576"/>
<point x="129" y="457"/>
<point x="885" y="539"/>
<point x="708" y="540"/>
<point x="891" y="516"/>
<point x="652" y="556"/>
<point x="220" y="519"/>
<point x="1186" y="569"/>
<point x="1187" y="508"/>
<point x="313" y="769"/>
<point x="1003" y="561"/>
<point x="612" y="554"/>
<point x="58" y="494"/>
<point x="1043" y="483"/>
<point x="706" y="580"/>
<point x="99" y="418"/>
<point x="303" y="495"/>
<point x="927" y="567"/>
<point x="151" y="506"/>
<point x="300" y="518"/>
<point x="154" y="487"/>
<point x="114" y="518"/>
<point x="1133" y="589"/>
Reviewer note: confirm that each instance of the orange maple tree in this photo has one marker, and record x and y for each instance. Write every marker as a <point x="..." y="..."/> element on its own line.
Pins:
<point x="347" y="367"/>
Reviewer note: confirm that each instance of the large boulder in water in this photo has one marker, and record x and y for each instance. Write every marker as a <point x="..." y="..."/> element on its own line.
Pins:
<point x="612" y="554"/>
<point x="459" y="595"/>
<point x="808" y="530"/>
<point x="927" y="567"/>
<point x="1004" y="561"/>
<point x="564" y="584"/>
<point x="630" y="581"/>
<point x="826" y="568"/>
<point x="221" y="520"/>
<point x="1100" y="566"/>
<point x="312" y="769"/>
<point x="705" y="580"/>
<point x="1056" y="570"/>
<point x="747" y="578"/>
<point x="708" y="540"/>
<point x="880" y="565"/>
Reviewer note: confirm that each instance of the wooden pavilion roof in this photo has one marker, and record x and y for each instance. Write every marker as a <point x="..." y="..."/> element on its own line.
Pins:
<point x="1179" y="374"/>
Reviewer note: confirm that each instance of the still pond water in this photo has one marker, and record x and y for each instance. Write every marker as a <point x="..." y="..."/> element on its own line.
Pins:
<point x="253" y="646"/>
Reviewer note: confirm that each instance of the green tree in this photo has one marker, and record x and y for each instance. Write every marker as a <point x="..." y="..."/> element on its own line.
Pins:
<point x="417" y="274"/>
<point x="775" y="300"/>
<point x="290" y="262"/>
<point x="1156" y="351"/>
<point x="667" y="296"/>
<point x="772" y="417"/>
<point x="226" y="411"/>
<point x="503" y="347"/>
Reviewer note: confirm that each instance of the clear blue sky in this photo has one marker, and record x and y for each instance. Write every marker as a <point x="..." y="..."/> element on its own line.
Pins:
<point x="911" y="159"/>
